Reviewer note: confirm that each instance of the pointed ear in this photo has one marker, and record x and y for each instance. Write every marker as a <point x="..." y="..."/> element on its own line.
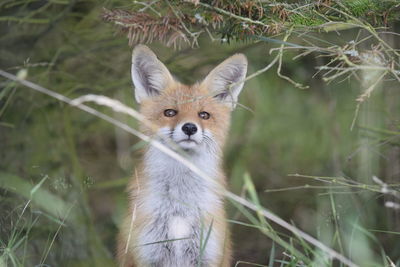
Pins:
<point x="149" y="75"/>
<point x="226" y="80"/>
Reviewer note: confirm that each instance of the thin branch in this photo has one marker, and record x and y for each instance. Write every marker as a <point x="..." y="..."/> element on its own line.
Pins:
<point x="232" y="15"/>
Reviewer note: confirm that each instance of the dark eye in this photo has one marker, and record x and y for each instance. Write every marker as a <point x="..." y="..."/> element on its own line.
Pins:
<point x="204" y="115"/>
<point x="170" y="112"/>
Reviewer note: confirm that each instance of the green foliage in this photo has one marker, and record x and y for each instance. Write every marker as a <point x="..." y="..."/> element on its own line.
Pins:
<point x="63" y="173"/>
<point x="41" y="198"/>
<point x="369" y="8"/>
<point x="361" y="7"/>
<point x="305" y="20"/>
<point x="184" y="21"/>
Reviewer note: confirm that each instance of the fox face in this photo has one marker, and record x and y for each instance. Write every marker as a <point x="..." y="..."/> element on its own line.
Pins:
<point x="194" y="117"/>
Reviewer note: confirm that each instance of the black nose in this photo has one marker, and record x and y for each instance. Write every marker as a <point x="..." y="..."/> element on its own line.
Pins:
<point x="189" y="128"/>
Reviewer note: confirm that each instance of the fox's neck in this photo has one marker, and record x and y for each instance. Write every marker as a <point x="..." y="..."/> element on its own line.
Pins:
<point x="172" y="180"/>
<point x="159" y="165"/>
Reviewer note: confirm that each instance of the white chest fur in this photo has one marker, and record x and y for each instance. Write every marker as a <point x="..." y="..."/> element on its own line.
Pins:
<point x="177" y="201"/>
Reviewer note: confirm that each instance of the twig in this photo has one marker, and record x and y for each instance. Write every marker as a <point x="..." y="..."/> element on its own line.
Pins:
<point x="298" y="85"/>
<point x="222" y="11"/>
<point x="363" y="97"/>
<point x="385" y="188"/>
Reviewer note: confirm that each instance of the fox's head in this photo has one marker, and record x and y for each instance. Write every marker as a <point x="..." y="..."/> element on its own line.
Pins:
<point x="194" y="117"/>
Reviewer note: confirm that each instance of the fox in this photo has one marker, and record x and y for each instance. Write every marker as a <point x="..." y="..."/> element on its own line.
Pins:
<point x="175" y="217"/>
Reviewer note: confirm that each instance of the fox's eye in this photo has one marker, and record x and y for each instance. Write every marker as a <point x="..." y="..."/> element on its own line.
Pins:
<point x="170" y="112"/>
<point x="204" y="115"/>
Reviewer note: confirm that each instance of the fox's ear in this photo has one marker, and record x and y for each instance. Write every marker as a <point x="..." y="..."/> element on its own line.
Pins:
<point x="226" y="80"/>
<point x="149" y="75"/>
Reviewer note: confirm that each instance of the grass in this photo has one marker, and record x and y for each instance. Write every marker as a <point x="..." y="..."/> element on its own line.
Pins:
<point x="63" y="172"/>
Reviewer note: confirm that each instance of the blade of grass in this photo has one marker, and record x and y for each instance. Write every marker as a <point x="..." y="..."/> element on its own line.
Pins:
<point x="39" y="196"/>
<point x="272" y="256"/>
<point x="203" y="245"/>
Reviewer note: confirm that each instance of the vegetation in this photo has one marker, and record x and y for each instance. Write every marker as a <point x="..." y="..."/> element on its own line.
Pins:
<point x="315" y="139"/>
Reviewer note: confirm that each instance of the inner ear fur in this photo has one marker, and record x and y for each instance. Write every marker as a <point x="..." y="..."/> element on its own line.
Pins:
<point x="149" y="74"/>
<point x="227" y="79"/>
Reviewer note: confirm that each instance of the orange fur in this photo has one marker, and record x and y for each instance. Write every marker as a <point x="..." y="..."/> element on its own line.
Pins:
<point x="189" y="100"/>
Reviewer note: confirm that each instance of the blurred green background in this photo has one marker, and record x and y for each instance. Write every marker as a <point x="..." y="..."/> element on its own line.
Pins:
<point x="63" y="172"/>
